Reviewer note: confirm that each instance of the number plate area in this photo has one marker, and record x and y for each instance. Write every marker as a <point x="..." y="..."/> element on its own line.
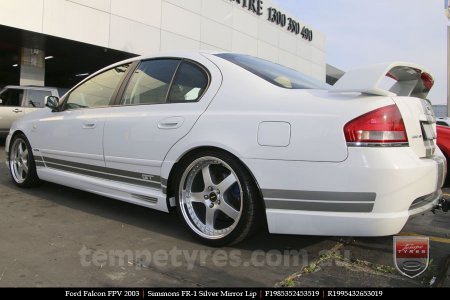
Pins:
<point x="428" y="132"/>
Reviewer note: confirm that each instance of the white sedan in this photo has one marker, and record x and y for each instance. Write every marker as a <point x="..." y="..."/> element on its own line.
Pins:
<point x="233" y="141"/>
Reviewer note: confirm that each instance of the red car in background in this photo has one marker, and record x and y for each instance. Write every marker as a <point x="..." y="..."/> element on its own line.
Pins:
<point x="443" y="141"/>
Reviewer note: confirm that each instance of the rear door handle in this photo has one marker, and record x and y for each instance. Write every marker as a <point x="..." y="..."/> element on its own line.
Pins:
<point x="171" y="123"/>
<point x="89" y="125"/>
<point x="17" y="110"/>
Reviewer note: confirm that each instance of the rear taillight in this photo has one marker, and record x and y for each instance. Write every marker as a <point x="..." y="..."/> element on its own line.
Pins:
<point x="380" y="127"/>
<point x="427" y="80"/>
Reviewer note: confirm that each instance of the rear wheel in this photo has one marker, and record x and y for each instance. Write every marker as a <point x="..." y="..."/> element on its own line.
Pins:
<point x="21" y="162"/>
<point x="217" y="198"/>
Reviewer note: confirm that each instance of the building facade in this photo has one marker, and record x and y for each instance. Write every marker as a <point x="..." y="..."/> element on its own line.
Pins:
<point x="138" y="27"/>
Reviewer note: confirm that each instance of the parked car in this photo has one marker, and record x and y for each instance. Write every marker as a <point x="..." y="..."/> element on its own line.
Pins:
<point x="443" y="141"/>
<point x="16" y="101"/>
<point x="231" y="141"/>
<point x="443" y="122"/>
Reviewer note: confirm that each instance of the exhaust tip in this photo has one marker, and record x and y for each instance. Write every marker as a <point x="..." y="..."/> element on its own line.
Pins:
<point x="444" y="205"/>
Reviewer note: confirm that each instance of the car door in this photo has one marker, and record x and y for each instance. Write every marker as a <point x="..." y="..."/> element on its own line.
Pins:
<point x="161" y="103"/>
<point x="10" y="108"/>
<point x="72" y="139"/>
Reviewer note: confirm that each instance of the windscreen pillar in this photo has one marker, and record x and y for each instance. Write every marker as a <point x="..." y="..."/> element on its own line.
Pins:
<point x="32" y="67"/>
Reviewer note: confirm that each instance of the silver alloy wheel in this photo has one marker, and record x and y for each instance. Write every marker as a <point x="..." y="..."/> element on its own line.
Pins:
<point x="210" y="193"/>
<point x="19" y="161"/>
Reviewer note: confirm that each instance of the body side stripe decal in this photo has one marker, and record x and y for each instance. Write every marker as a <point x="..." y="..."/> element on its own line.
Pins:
<point x="100" y="172"/>
<point x="317" y="195"/>
<point x="319" y="206"/>
<point x="136" y="175"/>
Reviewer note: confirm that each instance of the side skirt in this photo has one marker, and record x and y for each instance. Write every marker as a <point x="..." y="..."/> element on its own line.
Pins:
<point x="151" y="198"/>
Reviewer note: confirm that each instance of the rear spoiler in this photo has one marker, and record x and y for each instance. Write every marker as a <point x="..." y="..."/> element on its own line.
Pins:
<point x="412" y="80"/>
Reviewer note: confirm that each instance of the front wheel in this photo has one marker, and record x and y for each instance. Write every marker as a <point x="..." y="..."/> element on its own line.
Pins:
<point x="217" y="198"/>
<point x="21" y="162"/>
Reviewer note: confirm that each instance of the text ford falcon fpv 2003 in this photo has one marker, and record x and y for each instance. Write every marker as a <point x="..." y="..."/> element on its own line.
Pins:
<point x="231" y="141"/>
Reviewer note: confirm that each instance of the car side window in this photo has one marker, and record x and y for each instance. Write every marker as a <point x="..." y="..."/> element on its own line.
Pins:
<point x="150" y="82"/>
<point x="441" y="123"/>
<point x="189" y="84"/>
<point x="11" y="97"/>
<point x="97" y="91"/>
<point x="36" y="98"/>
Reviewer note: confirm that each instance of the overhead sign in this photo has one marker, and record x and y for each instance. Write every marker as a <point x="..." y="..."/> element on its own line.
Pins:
<point x="276" y="17"/>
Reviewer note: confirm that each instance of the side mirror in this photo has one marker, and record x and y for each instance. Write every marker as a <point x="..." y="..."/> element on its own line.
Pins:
<point x="52" y="102"/>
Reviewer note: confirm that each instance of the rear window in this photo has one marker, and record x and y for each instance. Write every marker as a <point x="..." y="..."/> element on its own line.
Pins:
<point x="189" y="84"/>
<point x="274" y="73"/>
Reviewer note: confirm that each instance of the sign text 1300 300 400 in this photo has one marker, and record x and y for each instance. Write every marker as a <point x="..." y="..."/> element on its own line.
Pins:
<point x="279" y="18"/>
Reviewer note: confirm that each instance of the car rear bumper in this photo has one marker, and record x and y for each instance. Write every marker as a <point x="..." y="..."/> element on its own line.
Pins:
<point x="372" y="193"/>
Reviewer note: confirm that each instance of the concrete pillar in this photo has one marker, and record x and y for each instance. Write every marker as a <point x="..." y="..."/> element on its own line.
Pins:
<point x="32" y="67"/>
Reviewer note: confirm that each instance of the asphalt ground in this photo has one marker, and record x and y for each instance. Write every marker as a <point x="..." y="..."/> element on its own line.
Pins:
<point x="54" y="236"/>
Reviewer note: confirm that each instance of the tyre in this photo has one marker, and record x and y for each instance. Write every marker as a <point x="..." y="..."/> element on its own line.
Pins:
<point x="21" y="163"/>
<point x="217" y="198"/>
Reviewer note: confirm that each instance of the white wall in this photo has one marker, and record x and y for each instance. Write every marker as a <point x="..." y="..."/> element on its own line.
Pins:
<point x="143" y="26"/>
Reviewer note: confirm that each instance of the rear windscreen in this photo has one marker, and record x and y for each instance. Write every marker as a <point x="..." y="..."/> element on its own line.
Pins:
<point x="274" y="73"/>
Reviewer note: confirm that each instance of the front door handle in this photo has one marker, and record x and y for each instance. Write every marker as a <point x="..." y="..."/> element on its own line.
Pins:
<point x="171" y="123"/>
<point x="17" y="111"/>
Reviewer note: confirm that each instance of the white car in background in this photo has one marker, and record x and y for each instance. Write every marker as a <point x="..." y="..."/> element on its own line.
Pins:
<point x="443" y="122"/>
<point x="232" y="141"/>
<point x="16" y="101"/>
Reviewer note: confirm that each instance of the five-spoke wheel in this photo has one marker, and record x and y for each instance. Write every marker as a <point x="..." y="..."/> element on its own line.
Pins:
<point x="21" y="162"/>
<point x="217" y="198"/>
